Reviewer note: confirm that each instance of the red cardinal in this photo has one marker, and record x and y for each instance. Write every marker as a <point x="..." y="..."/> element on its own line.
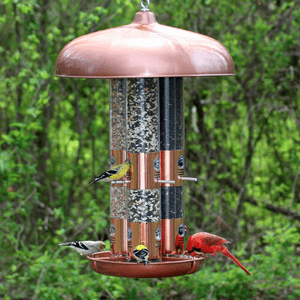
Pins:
<point x="209" y="243"/>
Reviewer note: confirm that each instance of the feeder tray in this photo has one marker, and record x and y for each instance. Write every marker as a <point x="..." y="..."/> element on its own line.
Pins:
<point x="105" y="263"/>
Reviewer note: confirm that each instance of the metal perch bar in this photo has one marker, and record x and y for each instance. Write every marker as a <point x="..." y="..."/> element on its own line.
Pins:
<point x="120" y="181"/>
<point x="188" y="178"/>
<point x="164" y="181"/>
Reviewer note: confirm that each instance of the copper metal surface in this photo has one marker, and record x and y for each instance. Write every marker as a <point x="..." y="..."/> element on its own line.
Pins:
<point x="118" y="242"/>
<point x="169" y="233"/>
<point x="142" y="171"/>
<point x="119" y="155"/>
<point x="169" y="169"/>
<point x="143" y="48"/>
<point x="104" y="263"/>
<point x="145" y="232"/>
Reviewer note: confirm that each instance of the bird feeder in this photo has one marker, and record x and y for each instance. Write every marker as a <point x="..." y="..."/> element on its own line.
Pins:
<point x="146" y="63"/>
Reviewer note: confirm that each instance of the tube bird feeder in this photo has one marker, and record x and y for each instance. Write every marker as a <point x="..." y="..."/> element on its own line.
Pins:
<point x="146" y="63"/>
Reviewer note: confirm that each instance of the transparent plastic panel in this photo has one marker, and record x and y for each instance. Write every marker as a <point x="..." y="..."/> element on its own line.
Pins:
<point x="118" y="114"/>
<point x="118" y="202"/>
<point x="142" y="115"/>
<point x="144" y="205"/>
<point x="172" y="202"/>
<point x="171" y="113"/>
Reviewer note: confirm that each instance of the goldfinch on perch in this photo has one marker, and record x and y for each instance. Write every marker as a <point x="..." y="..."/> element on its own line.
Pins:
<point x="85" y="248"/>
<point x="141" y="253"/>
<point x="114" y="173"/>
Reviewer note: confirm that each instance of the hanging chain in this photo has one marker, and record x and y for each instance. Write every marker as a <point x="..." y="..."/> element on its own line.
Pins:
<point x="145" y="7"/>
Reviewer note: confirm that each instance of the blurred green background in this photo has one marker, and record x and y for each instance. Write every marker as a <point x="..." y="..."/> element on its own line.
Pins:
<point x="242" y="142"/>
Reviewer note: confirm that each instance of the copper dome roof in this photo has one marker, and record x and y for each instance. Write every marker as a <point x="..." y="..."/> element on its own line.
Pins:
<point x="143" y="48"/>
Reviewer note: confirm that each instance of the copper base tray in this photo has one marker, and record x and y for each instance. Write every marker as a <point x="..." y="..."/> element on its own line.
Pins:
<point x="104" y="263"/>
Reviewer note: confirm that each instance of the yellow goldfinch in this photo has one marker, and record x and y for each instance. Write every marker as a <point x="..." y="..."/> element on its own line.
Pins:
<point x="141" y="253"/>
<point x="114" y="173"/>
<point x="86" y="248"/>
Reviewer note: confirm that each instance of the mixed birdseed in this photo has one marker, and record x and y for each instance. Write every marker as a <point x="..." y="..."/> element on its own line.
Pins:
<point x="143" y="205"/>
<point x="172" y="202"/>
<point x="118" y="202"/>
<point x="118" y="114"/>
<point x="142" y="115"/>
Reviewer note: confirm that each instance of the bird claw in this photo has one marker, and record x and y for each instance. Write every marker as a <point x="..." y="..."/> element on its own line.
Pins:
<point x="202" y="254"/>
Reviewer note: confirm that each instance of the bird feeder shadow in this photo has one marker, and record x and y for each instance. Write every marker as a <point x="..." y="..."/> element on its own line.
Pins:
<point x="112" y="265"/>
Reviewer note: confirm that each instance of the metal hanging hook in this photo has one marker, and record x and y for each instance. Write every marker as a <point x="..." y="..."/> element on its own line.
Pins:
<point x="145" y="7"/>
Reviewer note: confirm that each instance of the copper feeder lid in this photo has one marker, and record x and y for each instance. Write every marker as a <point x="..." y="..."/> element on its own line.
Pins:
<point x="143" y="48"/>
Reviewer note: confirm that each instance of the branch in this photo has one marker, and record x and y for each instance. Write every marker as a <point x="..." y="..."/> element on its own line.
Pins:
<point x="21" y="204"/>
<point x="268" y="206"/>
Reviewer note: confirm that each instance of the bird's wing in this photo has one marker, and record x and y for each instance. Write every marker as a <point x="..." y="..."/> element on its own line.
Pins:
<point x="213" y="240"/>
<point x="142" y="254"/>
<point x="104" y="175"/>
<point x="108" y="173"/>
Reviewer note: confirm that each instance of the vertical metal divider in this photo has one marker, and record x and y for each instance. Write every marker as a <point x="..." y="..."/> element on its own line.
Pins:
<point x="172" y="164"/>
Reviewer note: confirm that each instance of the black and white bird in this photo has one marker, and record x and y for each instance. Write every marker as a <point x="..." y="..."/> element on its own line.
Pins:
<point x="114" y="173"/>
<point x="85" y="248"/>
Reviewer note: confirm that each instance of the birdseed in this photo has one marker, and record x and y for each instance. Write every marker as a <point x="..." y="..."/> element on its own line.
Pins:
<point x="142" y="115"/>
<point x="143" y="205"/>
<point x="172" y="202"/>
<point x="118" y="114"/>
<point x="118" y="202"/>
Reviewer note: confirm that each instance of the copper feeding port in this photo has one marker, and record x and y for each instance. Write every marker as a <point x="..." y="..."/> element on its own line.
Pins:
<point x="142" y="170"/>
<point x="150" y="234"/>
<point x="118" y="236"/>
<point x="169" y="167"/>
<point x="172" y="240"/>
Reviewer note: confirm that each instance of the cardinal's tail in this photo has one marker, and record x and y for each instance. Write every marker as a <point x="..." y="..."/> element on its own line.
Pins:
<point x="227" y="253"/>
